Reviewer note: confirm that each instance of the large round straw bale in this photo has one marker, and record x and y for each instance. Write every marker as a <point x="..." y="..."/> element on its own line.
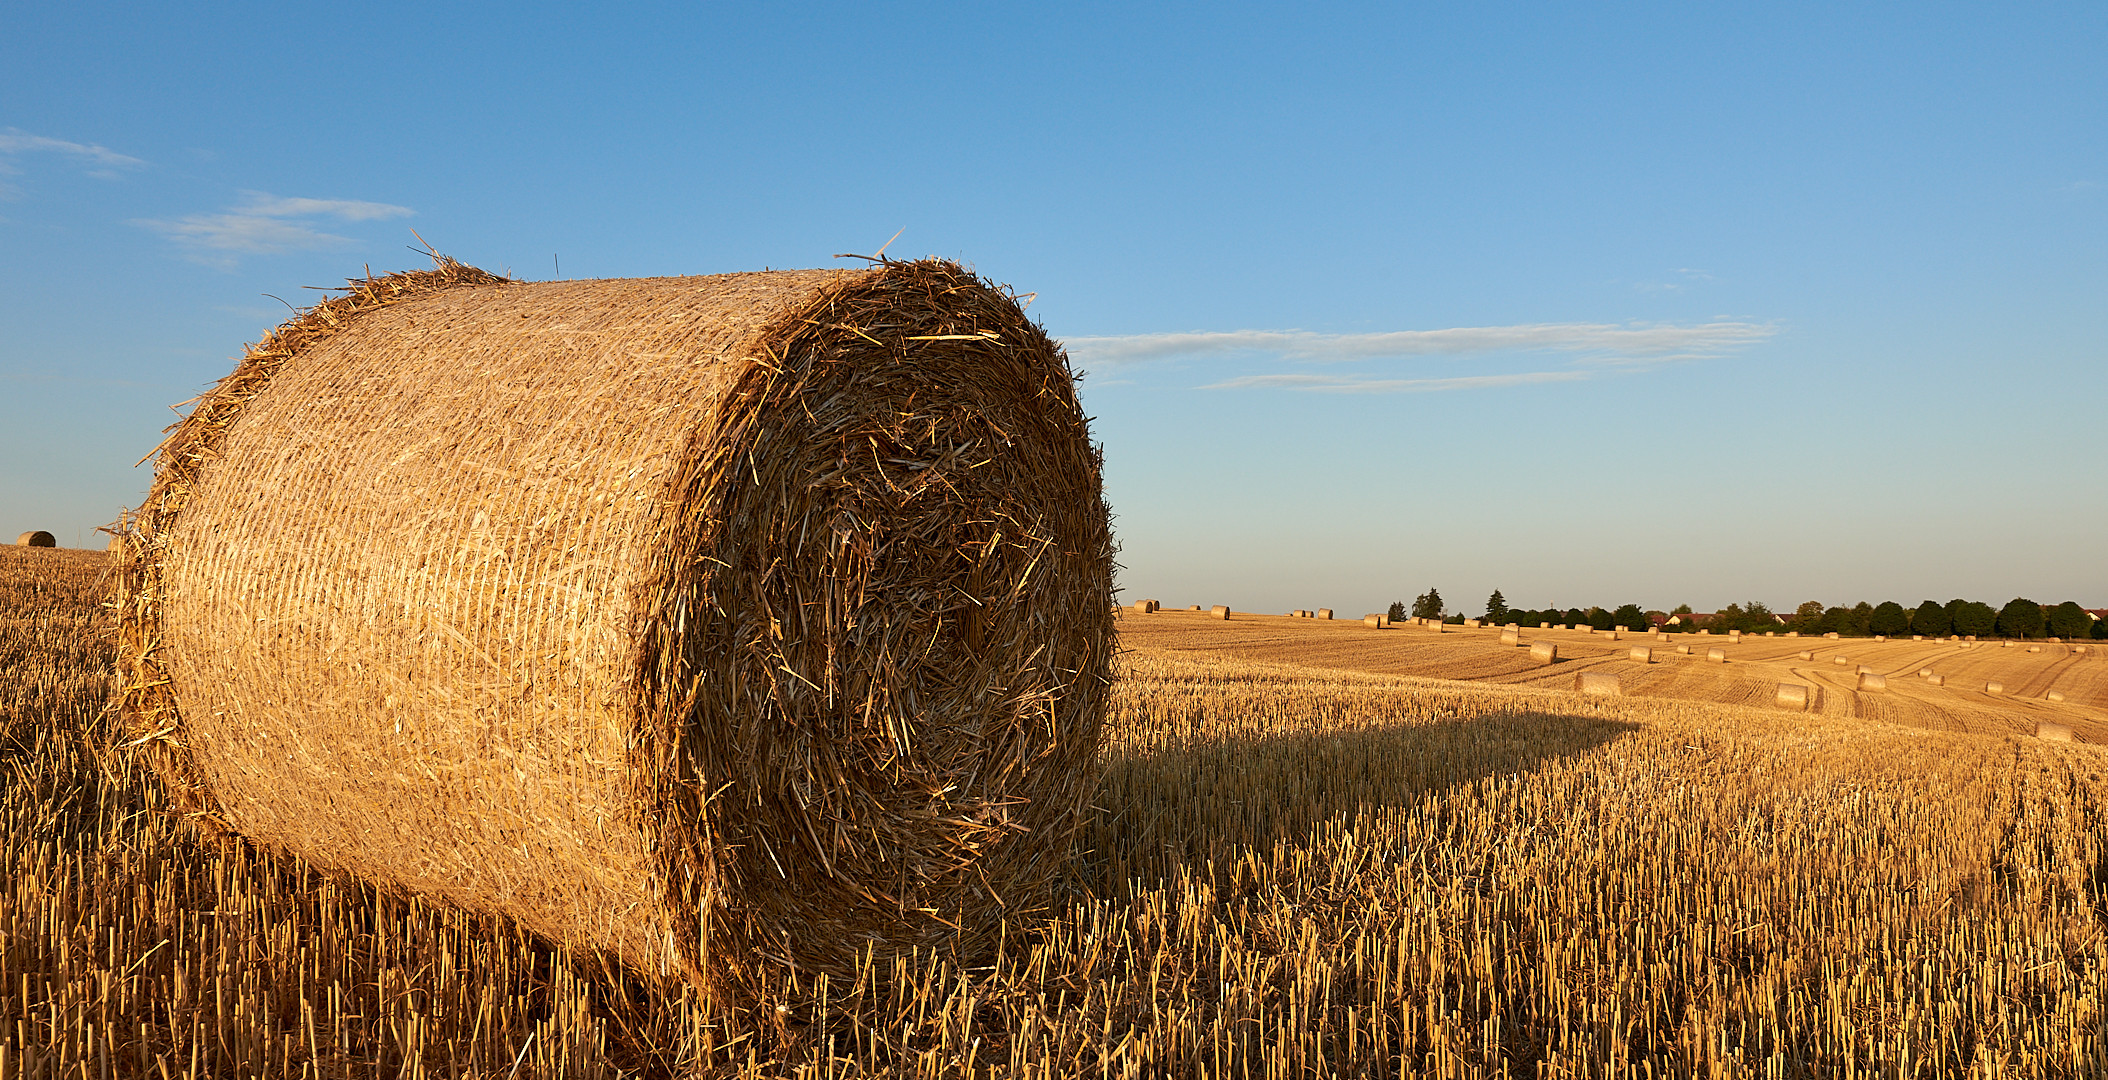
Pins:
<point x="36" y="538"/>
<point x="1718" y="656"/>
<point x="1372" y="621"/>
<point x="2055" y="695"/>
<point x="1601" y="683"/>
<point x="1684" y="650"/>
<point x="1615" y="635"/>
<point x="1471" y="623"/>
<point x="1936" y="680"/>
<point x="1510" y="637"/>
<point x="1325" y="613"/>
<point x="1435" y="625"/>
<point x="1994" y="687"/>
<point x="1804" y="654"/>
<point x="1791" y="696"/>
<point x="1544" y="652"/>
<point x="1873" y="681"/>
<point x="1219" y="611"/>
<point x="2051" y="732"/>
<point x="1585" y="628"/>
<point x="1924" y="673"/>
<point x="1142" y="607"/>
<point x="734" y="626"/>
<point x="1640" y="655"/>
<point x="1840" y="660"/>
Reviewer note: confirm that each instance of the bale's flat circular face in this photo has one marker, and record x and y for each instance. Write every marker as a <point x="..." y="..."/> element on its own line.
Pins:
<point x="36" y="538"/>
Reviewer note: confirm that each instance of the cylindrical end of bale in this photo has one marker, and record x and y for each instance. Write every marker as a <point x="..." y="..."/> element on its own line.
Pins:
<point x="36" y="538"/>
<point x="2049" y="732"/>
<point x="1544" y="652"/>
<point x="1642" y="655"/>
<point x="1873" y="680"/>
<point x="1792" y="696"/>
<point x="1598" y="683"/>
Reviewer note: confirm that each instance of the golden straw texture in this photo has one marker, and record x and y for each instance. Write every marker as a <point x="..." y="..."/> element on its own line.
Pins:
<point x="736" y="626"/>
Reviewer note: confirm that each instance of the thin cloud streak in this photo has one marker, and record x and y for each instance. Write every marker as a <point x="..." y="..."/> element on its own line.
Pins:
<point x="1597" y="343"/>
<point x="267" y="225"/>
<point x="1348" y="384"/>
<point x="14" y="141"/>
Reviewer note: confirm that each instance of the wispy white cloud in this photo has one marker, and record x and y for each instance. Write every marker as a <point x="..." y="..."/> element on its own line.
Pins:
<point x="1583" y="347"/>
<point x="1597" y="342"/>
<point x="1351" y="384"/>
<point x="13" y="142"/>
<point x="266" y="225"/>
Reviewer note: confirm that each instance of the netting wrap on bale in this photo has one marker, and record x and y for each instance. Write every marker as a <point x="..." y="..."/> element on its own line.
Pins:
<point x="735" y="626"/>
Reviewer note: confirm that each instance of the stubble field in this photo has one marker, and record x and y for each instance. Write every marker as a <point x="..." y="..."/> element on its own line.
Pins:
<point x="1299" y="866"/>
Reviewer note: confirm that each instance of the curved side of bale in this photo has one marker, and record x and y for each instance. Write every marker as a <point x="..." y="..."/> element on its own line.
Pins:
<point x="36" y="538"/>
<point x="1544" y="652"/>
<point x="1219" y="611"/>
<point x="1792" y="696"/>
<point x="734" y="626"/>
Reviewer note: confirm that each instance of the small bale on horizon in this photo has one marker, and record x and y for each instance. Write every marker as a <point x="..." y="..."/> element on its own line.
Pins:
<point x="1220" y="611"/>
<point x="1325" y="613"/>
<point x="36" y="538"/>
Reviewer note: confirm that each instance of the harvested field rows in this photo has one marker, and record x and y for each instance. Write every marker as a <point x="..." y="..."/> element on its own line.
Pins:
<point x="1754" y="668"/>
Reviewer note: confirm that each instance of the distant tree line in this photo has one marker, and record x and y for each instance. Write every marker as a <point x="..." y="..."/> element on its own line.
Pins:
<point x="2019" y="618"/>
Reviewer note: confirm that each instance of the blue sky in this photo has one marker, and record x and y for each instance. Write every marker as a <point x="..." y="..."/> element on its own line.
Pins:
<point x="1587" y="303"/>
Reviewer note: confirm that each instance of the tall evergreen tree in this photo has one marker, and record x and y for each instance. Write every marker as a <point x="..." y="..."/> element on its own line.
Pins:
<point x="1428" y="605"/>
<point x="1496" y="608"/>
<point x="1397" y="612"/>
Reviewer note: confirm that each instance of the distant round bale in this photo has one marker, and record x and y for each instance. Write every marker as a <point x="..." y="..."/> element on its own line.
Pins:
<point x="2055" y="695"/>
<point x="1994" y="688"/>
<point x="1936" y="680"/>
<point x="743" y="629"/>
<point x="1436" y="626"/>
<point x="1880" y="637"/>
<point x="1917" y="637"/>
<point x="2051" y="732"/>
<point x="1598" y="683"/>
<point x="1219" y="611"/>
<point x="1142" y="607"/>
<point x="1924" y="673"/>
<point x="1544" y="652"/>
<point x="1791" y="696"/>
<point x="1684" y="650"/>
<point x="1544" y="626"/>
<point x="1804" y="654"/>
<point x="1511" y="637"/>
<point x="1325" y="613"/>
<point x="2034" y="648"/>
<point x="36" y="538"/>
<point x="1840" y="660"/>
<point x="1831" y="635"/>
<point x="1375" y="621"/>
<point x="1873" y="681"/>
<point x="1793" y="633"/>
<point x="1585" y="628"/>
<point x="1640" y="654"/>
<point x="1471" y="623"/>
<point x="1717" y="656"/>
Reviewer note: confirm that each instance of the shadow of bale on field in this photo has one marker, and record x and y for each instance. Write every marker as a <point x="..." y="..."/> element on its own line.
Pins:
<point x="1207" y="801"/>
